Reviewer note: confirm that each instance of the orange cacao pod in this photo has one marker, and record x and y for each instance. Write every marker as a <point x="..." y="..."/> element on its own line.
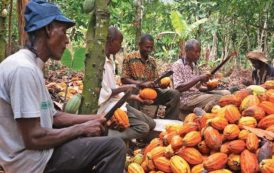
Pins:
<point x="157" y="152"/>
<point x="190" y="118"/>
<point x="165" y="82"/>
<point x="267" y="106"/>
<point x="191" y="155"/>
<point x="236" y="146"/>
<point x="148" y="164"/>
<point x="153" y="143"/>
<point x="254" y="111"/>
<point x="269" y="84"/>
<point x="249" y="162"/>
<point x="224" y="148"/>
<point x="198" y="169"/>
<point x="241" y="94"/>
<point x="179" y="165"/>
<point x="162" y="164"/>
<point x="270" y="95"/>
<point x="121" y="118"/>
<point x="231" y="132"/>
<point x="232" y="113"/>
<point x="135" y="168"/>
<point x="266" y="121"/>
<point x="252" y="142"/>
<point x="234" y="162"/>
<point x="250" y="100"/>
<point x="218" y="123"/>
<point x="229" y="100"/>
<point x="187" y="127"/>
<point x="169" y="152"/>
<point x="176" y="142"/>
<point x="213" y="138"/>
<point x="221" y="171"/>
<point x="247" y="121"/>
<point x="203" y="148"/>
<point x="215" y="161"/>
<point x="148" y="94"/>
<point x="267" y="166"/>
<point x="243" y="134"/>
<point x="192" y="139"/>
<point x="168" y="137"/>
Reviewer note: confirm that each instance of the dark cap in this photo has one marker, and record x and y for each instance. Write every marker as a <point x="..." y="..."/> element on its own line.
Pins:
<point x="39" y="14"/>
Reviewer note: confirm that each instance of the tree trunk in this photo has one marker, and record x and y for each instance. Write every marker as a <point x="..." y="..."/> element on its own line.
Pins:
<point x="21" y="4"/>
<point x="138" y="21"/>
<point x="3" y="29"/>
<point x="213" y="51"/>
<point x="182" y="52"/>
<point x="95" y="57"/>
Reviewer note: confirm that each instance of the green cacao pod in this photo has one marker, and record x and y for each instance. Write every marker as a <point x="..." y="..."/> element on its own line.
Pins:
<point x="73" y="104"/>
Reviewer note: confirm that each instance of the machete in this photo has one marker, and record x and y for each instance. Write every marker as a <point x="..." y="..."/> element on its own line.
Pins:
<point x="222" y="63"/>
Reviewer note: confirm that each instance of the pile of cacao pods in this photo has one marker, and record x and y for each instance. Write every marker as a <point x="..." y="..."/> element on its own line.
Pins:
<point x="236" y="136"/>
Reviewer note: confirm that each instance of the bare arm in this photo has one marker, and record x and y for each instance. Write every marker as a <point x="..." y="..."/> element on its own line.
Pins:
<point x="37" y="138"/>
<point x="186" y="86"/>
<point x="63" y="119"/>
<point x="147" y="84"/>
<point x="122" y="88"/>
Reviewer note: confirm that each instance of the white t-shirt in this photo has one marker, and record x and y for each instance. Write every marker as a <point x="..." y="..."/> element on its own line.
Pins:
<point x="108" y="83"/>
<point x="23" y="95"/>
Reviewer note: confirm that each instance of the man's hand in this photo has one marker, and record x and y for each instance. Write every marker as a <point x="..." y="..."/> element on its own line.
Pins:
<point x="205" y="77"/>
<point x="139" y="99"/>
<point x="115" y="126"/>
<point x="94" y="127"/>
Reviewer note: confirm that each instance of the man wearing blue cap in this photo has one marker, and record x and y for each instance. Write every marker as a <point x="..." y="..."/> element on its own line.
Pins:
<point x="34" y="137"/>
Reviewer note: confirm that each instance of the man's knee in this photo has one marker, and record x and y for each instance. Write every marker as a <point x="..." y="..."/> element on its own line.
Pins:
<point x="118" y="145"/>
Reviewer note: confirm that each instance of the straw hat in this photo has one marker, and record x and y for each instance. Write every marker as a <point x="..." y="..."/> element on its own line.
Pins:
<point x="257" y="55"/>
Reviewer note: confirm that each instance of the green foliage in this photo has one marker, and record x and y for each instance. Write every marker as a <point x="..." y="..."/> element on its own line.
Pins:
<point x="77" y="61"/>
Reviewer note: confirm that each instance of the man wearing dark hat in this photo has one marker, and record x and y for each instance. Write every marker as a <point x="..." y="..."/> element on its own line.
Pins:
<point x="34" y="137"/>
<point x="263" y="71"/>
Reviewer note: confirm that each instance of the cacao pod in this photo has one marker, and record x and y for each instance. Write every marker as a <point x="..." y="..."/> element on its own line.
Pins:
<point x="179" y="165"/>
<point x="234" y="162"/>
<point x="176" y="142"/>
<point x="252" y="142"/>
<point x="218" y="123"/>
<point x="191" y="155"/>
<point x="249" y="162"/>
<point x="148" y="94"/>
<point x="73" y="104"/>
<point x="163" y="164"/>
<point x="215" y="161"/>
<point x="266" y="122"/>
<point x="236" y="146"/>
<point x="192" y="139"/>
<point x="250" y="100"/>
<point x="243" y="134"/>
<point x="213" y="138"/>
<point x="231" y="132"/>
<point x="165" y="82"/>
<point x="121" y="118"/>
<point x="267" y="106"/>
<point x="198" y="169"/>
<point x="247" y="121"/>
<point x="232" y="113"/>
<point x="229" y="100"/>
<point x="254" y="111"/>
<point x="267" y="166"/>
<point x="135" y="168"/>
<point x="203" y="148"/>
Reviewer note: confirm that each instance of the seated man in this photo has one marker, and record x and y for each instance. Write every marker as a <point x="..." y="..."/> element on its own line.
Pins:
<point x="140" y="124"/>
<point x="262" y="70"/>
<point x="188" y="79"/>
<point x="139" y="68"/>
<point x="35" y="138"/>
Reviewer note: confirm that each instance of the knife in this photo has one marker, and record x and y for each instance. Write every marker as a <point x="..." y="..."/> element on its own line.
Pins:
<point x="222" y="63"/>
<point x="166" y="74"/>
<point x="110" y="113"/>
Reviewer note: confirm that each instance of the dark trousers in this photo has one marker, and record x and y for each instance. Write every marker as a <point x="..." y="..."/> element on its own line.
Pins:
<point x="167" y="97"/>
<point x="88" y="155"/>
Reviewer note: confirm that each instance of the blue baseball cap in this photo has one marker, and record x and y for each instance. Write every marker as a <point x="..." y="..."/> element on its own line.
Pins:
<point x="39" y="14"/>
